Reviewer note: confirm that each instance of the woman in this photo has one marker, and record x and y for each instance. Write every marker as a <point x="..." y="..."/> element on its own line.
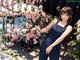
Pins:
<point x="57" y="30"/>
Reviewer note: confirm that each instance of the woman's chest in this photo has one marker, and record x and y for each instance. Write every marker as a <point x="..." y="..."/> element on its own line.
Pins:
<point x="58" y="28"/>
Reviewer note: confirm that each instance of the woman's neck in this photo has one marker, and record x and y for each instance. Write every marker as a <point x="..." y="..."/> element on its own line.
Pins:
<point x="63" y="22"/>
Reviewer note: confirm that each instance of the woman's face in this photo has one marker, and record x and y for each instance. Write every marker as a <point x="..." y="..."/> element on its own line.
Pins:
<point x="64" y="17"/>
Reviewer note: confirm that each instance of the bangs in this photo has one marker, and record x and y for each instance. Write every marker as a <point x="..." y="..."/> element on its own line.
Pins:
<point x="67" y="11"/>
<point x="64" y="12"/>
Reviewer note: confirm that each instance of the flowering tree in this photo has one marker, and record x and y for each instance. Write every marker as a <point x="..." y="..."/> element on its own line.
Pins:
<point x="36" y="19"/>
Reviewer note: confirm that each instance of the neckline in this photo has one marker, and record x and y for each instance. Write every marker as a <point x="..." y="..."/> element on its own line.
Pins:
<point x="60" y="25"/>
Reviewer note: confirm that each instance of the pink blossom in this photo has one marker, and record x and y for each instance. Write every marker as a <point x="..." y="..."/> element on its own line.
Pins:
<point x="28" y="26"/>
<point x="10" y="44"/>
<point x="78" y="25"/>
<point x="78" y="22"/>
<point x="43" y="14"/>
<point x="40" y="1"/>
<point x="37" y="0"/>
<point x="36" y="11"/>
<point x="41" y="23"/>
<point x="78" y="29"/>
<point x="38" y="33"/>
<point x="27" y="14"/>
<point x="33" y="15"/>
<point x="35" y="41"/>
<point x="78" y="37"/>
<point x="20" y="31"/>
<point x="36" y="37"/>
<point x="33" y="2"/>
<point x="37" y="16"/>
<point x="40" y="7"/>
<point x="26" y="40"/>
<point x="46" y="18"/>
<point x="38" y="27"/>
<point x="14" y="36"/>
<point x="11" y="28"/>
<point x="33" y="19"/>
<point x="7" y="35"/>
<point x="15" y="31"/>
<point x="28" y="36"/>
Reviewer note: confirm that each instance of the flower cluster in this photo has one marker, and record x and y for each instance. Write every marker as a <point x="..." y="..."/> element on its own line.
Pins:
<point x="78" y="30"/>
<point x="36" y="15"/>
<point x="35" y="20"/>
<point x="33" y="34"/>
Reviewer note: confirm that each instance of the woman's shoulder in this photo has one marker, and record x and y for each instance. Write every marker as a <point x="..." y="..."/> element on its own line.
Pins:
<point x="69" y="27"/>
<point x="55" y="20"/>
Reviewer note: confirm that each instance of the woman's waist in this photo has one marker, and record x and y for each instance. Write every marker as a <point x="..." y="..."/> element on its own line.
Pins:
<point x="49" y="39"/>
<point x="52" y="36"/>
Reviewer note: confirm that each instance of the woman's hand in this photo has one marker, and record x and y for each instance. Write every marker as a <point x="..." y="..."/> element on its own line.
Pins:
<point x="48" y="49"/>
<point x="33" y="30"/>
<point x="38" y="28"/>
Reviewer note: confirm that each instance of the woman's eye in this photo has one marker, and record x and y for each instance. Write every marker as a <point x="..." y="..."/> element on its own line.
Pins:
<point x="67" y="15"/>
<point x="62" y="14"/>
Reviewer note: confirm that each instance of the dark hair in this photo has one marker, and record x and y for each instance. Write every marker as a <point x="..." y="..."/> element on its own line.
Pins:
<point x="67" y="10"/>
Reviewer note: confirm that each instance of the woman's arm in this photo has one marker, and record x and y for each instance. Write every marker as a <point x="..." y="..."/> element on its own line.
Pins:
<point x="60" y="39"/>
<point x="48" y="27"/>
